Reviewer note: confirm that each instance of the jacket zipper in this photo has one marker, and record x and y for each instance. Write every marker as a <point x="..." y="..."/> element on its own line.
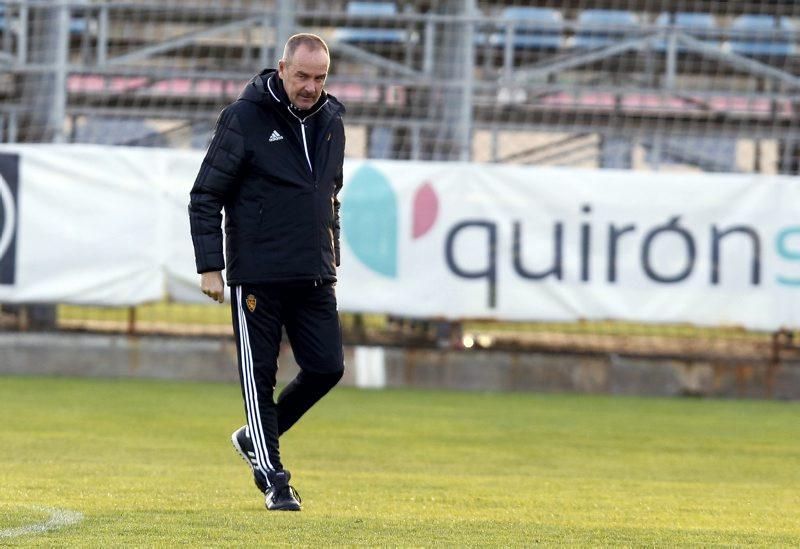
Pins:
<point x="303" y="133"/>
<point x="305" y="145"/>
<point x="301" y="121"/>
<point x="317" y="282"/>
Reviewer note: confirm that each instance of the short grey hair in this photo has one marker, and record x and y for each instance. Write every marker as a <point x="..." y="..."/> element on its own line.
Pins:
<point x="311" y="41"/>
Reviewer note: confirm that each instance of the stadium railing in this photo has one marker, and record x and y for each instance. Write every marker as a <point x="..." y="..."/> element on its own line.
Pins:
<point x="563" y="114"/>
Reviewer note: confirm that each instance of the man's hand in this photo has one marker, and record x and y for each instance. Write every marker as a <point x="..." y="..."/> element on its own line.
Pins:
<point x="212" y="285"/>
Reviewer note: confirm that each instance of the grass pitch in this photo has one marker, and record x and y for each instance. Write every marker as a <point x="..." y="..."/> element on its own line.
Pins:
<point x="149" y="463"/>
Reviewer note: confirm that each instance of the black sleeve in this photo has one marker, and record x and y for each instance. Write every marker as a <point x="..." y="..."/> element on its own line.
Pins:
<point x="336" y="204"/>
<point x="216" y="179"/>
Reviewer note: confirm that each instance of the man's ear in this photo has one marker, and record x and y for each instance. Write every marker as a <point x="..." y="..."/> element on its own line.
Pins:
<point x="281" y="68"/>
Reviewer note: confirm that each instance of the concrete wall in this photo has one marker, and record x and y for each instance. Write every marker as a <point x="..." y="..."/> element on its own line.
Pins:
<point x="215" y="360"/>
<point x="609" y="374"/>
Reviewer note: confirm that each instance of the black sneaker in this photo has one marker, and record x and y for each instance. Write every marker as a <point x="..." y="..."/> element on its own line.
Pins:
<point x="281" y="496"/>
<point x="243" y="444"/>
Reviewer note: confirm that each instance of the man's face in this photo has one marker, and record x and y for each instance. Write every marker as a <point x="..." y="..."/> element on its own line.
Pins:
<point x="304" y="75"/>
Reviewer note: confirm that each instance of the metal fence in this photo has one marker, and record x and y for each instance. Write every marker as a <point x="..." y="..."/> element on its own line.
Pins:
<point x="650" y="85"/>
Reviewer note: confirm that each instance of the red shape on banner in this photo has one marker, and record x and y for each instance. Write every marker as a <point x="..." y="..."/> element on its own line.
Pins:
<point x="426" y="209"/>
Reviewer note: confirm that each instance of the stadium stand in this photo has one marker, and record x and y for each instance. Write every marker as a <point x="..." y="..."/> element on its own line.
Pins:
<point x="702" y="26"/>
<point x="536" y="71"/>
<point x="536" y="28"/>
<point x="605" y="27"/>
<point x="378" y="10"/>
<point x="770" y="36"/>
<point x="578" y="83"/>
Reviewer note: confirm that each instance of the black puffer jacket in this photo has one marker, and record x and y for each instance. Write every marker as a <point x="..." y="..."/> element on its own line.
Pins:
<point x="278" y="190"/>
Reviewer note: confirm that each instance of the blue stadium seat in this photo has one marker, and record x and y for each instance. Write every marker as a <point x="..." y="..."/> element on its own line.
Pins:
<point x="698" y="25"/>
<point x="78" y="25"/>
<point x="770" y="36"/>
<point x="538" y="28"/>
<point x="484" y="32"/>
<point x="371" y="35"/>
<point x="619" y="22"/>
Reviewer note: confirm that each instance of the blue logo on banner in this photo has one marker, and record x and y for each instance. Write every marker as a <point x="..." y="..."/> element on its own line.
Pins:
<point x="369" y="219"/>
<point x="9" y="187"/>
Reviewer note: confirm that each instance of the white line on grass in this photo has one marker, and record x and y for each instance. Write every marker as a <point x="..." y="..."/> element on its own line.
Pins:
<point x="58" y="519"/>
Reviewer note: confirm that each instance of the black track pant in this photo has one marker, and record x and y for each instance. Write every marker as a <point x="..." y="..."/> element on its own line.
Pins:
<point x="311" y="319"/>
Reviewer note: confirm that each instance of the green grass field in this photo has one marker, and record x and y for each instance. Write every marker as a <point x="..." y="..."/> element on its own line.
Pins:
<point x="149" y="464"/>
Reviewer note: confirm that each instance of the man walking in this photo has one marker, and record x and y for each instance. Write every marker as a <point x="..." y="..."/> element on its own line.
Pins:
<point x="275" y="166"/>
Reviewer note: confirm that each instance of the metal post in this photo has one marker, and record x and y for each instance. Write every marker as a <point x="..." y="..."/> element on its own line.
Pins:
<point x="59" y="104"/>
<point x="23" y="319"/>
<point x="285" y="25"/>
<point x="672" y="59"/>
<point x="247" y="48"/>
<point x="758" y="167"/>
<point x="650" y="64"/>
<point x="86" y="55"/>
<point x="7" y="34"/>
<point x="408" y="54"/>
<point x="263" y="56"/>
<point x="427" y="59"/>
<point x="102" y="35"/>
<point x="131" y="328"/>
<point x="450" y="94"/>
<point x="468" y="63"/>
<point x="415" y="142"/>
<point x="13" y="127"/>
<point x="43" y="91"/>
<point x="508" y="53"/>
<point x="22" y="37"/>
<point x="495" y="144"/>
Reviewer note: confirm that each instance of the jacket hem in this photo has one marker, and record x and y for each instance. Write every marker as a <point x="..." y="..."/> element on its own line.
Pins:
<point x="269" y="280"/>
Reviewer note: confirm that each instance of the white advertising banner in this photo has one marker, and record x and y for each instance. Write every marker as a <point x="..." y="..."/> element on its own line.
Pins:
<point x="521" y="243"/>
<point x="94" y="225"/>
<point x="109" y="225"/>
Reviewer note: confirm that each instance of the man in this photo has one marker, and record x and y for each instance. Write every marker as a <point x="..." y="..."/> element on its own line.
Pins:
<point x="275" y="166"/>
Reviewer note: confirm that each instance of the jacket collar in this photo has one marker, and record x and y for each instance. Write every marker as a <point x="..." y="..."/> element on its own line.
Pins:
<point x="275" y="87"/>
<point x="262" y="90"/>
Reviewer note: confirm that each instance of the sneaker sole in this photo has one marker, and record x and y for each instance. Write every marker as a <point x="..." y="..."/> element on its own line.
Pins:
<point x="239" y="450"/>
<point x="242" y="455"/>
<point x="286" y="508"/>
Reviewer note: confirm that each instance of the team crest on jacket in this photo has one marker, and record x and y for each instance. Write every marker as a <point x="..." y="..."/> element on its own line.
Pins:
<point x="251" y="302"/>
